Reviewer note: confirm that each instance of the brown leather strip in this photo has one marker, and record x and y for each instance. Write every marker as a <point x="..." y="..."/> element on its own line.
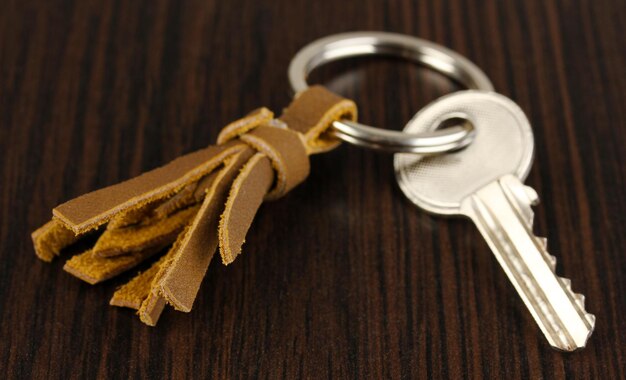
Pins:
<point x="287" y="153"/>
<point x="190" y="194"/>
<point x="51" y="238"/>
<point x="151" y="309"/>
<point x="132" y="216"/>
<point x="133" y="293"/>
<point x="181" y="281"/>
<point x="94" y="269"/>
<point x="206" y="182"/>
<point x="312" y="113"/>
<point x="93" y="209"/>
<point x="181" y="199"/>
<point x="246" y="195"/>
<point x="259" y="116"/>
<point x="139" y="237"/>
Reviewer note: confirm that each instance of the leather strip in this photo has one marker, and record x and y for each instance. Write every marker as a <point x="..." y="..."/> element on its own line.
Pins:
<point x="258" y="117"/>
<point x="94" y="269"/>
<point x="114" y="242"/>
<point x="177" y="293"/>
<point x="51" y="238"/>
<point x="190" y="194"/>
<point x="246" y="195"/>
<point x="179" y="200"/>
<point x="312" y="113"/>
<point x="133" y="293"/>
<point x="93" y="209"/>
<point x="288" y="156"/>
<point x="181" y="281"/>
<point x="132" y="216"/>
<point x="151" y="309"/>
<point x="143" y="292"/>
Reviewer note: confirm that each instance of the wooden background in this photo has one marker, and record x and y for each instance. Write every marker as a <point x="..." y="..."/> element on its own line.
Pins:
<point x="342" y="278"/>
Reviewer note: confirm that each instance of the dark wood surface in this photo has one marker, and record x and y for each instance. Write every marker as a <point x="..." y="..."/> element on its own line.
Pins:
<point x="342" y="278"/>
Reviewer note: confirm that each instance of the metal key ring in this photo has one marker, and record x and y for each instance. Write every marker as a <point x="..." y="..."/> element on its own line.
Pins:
<point x="426" y="53"/>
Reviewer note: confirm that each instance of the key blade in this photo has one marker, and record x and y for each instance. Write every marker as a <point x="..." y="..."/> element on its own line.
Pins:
<point x="502" y="213"/>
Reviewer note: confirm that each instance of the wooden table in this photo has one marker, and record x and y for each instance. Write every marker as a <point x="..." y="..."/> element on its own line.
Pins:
<point x="342" y="278"/>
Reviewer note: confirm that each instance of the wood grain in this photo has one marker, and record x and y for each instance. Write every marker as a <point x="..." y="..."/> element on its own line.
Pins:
<point x="342" y="278"/>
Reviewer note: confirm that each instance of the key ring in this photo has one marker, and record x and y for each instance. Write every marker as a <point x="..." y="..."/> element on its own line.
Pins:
<point x="431" y="55"/>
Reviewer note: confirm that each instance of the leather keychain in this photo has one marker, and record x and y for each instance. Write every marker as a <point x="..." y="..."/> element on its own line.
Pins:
<point x="207" y="199"/>
<point x="198" y="202"/>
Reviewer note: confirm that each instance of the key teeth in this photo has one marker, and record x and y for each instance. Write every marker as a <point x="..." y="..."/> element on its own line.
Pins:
<point x="565" y="333"/>
<point x="552" y="262"/>
<point x="580" y="300"/>
<point x="567" y="282"/>
<point x="543" y="243"/>
<point x="592" y="321"/>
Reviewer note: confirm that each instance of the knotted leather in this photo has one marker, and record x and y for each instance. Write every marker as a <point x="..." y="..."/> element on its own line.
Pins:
<point x="197" y="203"/>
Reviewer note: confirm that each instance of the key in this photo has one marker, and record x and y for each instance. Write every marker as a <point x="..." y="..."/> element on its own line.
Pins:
<point x="484" y="182"/>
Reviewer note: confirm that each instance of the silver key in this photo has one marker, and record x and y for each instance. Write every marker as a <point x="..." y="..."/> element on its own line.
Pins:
<point x="484" y="183"/>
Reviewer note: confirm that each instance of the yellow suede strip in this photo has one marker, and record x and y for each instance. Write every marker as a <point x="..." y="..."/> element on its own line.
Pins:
<point x="51" y="238"/>
<point x="133" y="293"/>
<point x="152" y="307"/>
<point x="190" y="194"/>
<point x="139" y="237"/>
<point x="179" y="200"/>
<point x="131" y="217"/>
<point x="317" y="140"/>
<point x="94" y="269"/>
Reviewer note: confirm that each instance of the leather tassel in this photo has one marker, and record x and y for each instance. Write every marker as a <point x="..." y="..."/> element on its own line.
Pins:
<point x="198" y="204"/>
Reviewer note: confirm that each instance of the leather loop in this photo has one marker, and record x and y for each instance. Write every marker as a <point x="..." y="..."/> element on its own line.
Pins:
<point x="287" y="154"/>
<point x="313" y="111"/>
<point x="259" y="116"/>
